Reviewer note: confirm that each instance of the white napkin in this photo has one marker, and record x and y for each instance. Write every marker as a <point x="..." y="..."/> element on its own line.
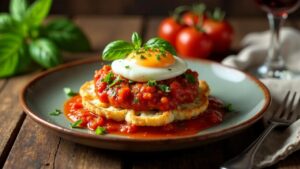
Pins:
<point x="279" y="144"/>
<point x="256" y="46"/>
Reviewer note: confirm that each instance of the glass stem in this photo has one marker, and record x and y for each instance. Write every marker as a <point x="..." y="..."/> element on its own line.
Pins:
<point x="275" y="60"/>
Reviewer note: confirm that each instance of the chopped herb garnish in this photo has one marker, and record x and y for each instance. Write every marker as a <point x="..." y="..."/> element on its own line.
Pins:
<point x="135" y="100"/>
<point x="76" y="124"/>
<point x="108" y="78"/>
<point x="55" y="113"/>
<point x="69" y="92"/>
<point x="127" y="67"/>
<point x="190" y="78"/>
<point x="169" y="69"/>
<point x="158" y="57"/>
<point x="164" y="88"/>
<point x="151" y="83"/>
<point x="228" y="107"/>
<point x="100" y="130"/>
<point x="143" y="57"/>
<point x="117" y="80"/>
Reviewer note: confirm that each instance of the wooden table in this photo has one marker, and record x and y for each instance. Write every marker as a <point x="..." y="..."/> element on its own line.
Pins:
<point x="24" y="144"/>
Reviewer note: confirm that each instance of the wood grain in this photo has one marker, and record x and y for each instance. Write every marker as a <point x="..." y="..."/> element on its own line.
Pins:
<point x="206" y="156"/>
<point x="74" y="156"/>
<point x="35" y="147"/>
<point x="102" y="30"/>
<point x="11" y="112"/>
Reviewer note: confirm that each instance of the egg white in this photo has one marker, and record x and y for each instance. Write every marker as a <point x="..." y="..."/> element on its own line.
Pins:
<point x="129" y="69"/>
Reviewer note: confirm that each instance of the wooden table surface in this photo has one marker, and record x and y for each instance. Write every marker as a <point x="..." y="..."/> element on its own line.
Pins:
<point x="25" y="144"/>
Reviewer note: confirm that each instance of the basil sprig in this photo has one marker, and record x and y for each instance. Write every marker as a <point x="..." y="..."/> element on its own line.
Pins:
<point x="120" y="49"/>
<point x="25" y="43"/>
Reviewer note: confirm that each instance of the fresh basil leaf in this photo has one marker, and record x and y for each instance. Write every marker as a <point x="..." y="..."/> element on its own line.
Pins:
<point x="76" y="124"/>
<point x="9" y="25"/>
<point x="45" y="53"/>
<point x="37" y="12"/>
<point x="136" y="40"/>
<point x="117" y="80"/>
<point x="108" y="78"/>
<point x="55" y="113"/>
<point x="6" y="22"/>
<point x="229" y="107"/>
<point x="160" y="43"/>
<point x="25" y="63"/>
<point x="151" y="83"/>
<point x="18" y="9"/>
<point x="66" y="35"/>
<point x="10" y="45"/>
<point x="69" y="92"/>
<point x="190" y="78"/>
<point x="117" y="50"/>
<point x="100" y="130"/>
<point x="164" y="88"/>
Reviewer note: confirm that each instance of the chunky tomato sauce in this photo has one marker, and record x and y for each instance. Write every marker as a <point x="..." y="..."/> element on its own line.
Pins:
<point x="74" y="111"/>
<point x="161" y="95"/>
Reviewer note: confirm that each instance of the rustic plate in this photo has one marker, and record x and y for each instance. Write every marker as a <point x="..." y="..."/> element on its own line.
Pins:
<point x="45" y="93"/>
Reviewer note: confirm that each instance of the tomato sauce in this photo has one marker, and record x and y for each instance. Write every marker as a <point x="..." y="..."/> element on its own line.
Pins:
<point x="75" y="111"/>
<point x="161" y="95"/>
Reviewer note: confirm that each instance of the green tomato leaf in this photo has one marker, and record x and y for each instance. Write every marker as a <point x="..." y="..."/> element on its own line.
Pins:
<point x="45" y="53"/>
<point x="10" y="45"/>
<point x="161" y="44"/>
<point x="136" y="40"/>
<point x="37" y="12"/>
<point x="117" y="50"/>
<point x="66" y="35"/>
<point x="18" y="9"/>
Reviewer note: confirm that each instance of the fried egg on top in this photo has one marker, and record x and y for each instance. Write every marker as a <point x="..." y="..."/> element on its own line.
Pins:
<point x="91" y="102"/>
<point x="151" y="65"/>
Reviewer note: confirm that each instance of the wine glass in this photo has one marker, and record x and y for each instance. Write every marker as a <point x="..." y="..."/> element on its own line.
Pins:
<point x="274" y="65"/>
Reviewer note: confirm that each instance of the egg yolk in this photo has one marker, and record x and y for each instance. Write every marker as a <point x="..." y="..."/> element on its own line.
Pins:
<point x="152" y="58"/>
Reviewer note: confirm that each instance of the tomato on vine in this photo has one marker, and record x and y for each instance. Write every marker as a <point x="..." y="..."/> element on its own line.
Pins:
<point x="192" y="42"/>
<point x="219" y="31"/>
<point x="194" y="15"/>
<point x="169" y="29"/>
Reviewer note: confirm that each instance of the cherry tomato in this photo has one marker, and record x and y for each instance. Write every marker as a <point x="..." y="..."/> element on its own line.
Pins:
<point x="191" y="42"/>
<point x="191" y="18"/>
<point x="220" y="32"/>
<point x="168" y="30"/>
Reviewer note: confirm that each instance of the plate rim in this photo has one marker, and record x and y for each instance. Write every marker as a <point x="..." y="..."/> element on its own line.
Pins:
<point x="74" y="133"/>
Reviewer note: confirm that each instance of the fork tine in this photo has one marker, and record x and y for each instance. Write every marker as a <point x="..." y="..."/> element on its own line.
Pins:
<point x="289" y="110"/>
<point x="280" y="111"/>
<point x="297" y="108"/>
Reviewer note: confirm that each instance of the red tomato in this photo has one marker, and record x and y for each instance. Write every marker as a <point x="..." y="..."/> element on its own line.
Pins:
<point x="168" y="30"/>
<point x="193" y="43"/>
<point x="220" y="32"/>
<point x="191" y="19"/>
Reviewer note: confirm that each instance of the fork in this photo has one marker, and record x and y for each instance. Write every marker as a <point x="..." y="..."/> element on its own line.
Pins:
<point x="284" y="116"/>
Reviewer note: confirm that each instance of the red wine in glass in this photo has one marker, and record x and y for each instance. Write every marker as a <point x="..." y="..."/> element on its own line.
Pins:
<point x="278" y="7"/>
<point x="274" y="65"/>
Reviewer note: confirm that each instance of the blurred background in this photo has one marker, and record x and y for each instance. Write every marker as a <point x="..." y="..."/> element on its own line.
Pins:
<point x="233" y="8"/>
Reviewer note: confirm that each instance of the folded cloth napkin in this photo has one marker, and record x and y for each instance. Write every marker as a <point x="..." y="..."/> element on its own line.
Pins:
<point x="279" y="144"/>
<point x="256" y="46"/>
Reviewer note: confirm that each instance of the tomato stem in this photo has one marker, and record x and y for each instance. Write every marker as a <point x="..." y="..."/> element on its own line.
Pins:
<point x="179" y="11"/>
<point x="217" y="15"/>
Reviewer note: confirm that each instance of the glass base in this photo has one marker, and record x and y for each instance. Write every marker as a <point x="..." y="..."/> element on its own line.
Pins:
<point x="278" y="73"/>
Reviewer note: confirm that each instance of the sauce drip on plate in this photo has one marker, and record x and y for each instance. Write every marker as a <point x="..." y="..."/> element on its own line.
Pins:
<point x="75" y="111"/>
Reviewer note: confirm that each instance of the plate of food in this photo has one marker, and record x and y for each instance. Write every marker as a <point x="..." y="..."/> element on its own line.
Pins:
<point x="144" y="98"/>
